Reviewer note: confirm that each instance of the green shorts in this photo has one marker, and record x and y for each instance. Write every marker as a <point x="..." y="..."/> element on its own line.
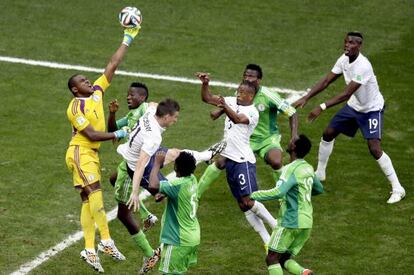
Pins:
<point x="123" y="184"/>
<point x="289" y="240"/>
<point x="262" y="147"/>
<point x="177" y="259"/>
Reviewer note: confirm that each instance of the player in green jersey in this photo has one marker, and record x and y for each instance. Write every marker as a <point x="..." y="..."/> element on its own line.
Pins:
<point x="136" y="98"/>
<point x="180" y="230"/>
<point x="295" y="187"/>
<point x="265" y="140"/>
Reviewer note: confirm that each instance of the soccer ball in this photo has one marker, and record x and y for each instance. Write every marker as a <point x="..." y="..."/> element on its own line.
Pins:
<point x="130" y="17"/>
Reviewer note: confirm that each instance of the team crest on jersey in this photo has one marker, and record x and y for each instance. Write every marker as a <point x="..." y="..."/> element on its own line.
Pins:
<point x="261" y="107"/>
<point x="96" y="97"/>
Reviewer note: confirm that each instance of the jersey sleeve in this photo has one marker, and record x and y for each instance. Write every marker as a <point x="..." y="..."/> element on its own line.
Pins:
<point x="281" y="104"/>
<point x="362" y="74"/>
<point x="101" y="84"/>
<point x="122" y="122"/>
<point x="282" y="187"/>
<point x="77" y="118"/>
<point x="168" y="189"/>
<point x="150" y="145"/>
<point x="317" y="187"/>
<point x="338" y="68"/>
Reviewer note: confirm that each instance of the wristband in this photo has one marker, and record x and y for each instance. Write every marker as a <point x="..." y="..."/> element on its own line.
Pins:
<point x="323" y="106"/>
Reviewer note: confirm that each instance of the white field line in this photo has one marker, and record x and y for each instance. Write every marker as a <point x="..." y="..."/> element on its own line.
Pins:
<point x="61" y="66"/>
<point x="45" y="255"/>
<point x="111" y="215"/>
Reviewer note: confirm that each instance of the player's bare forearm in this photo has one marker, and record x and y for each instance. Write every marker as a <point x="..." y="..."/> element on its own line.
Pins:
<point x="215" y="114"/>
<point x="94" y="135"/>
<point x="114" y="62"/>
<point x="344" y="96"/>
<point x="293" y="123"/>
<point x="154" y="182"/>
<point x="235" y="117"/>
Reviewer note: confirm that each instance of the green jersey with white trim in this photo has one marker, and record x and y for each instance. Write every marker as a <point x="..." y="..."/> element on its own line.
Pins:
<point x="179" y="225"/>
<point x="132" y="117"/>
<point x="295" y="187"/>
<point x="269" y="104"/>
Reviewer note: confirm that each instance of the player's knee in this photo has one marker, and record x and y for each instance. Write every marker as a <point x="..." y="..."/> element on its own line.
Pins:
<point x="329" y="134"/>
<point x="272" y="258"/>
<point x="112" y="179"/>
<point x="246" y="204"/>
<point x="283" y="259"/>
<point x="375" y="149"/>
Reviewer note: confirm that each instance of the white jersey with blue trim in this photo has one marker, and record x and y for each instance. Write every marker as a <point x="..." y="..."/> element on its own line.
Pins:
<point x="367" y="97"/>
<point x="237" y="136"/>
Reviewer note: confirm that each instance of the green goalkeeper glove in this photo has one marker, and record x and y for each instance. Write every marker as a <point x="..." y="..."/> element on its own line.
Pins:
<point x="129" y="35"/>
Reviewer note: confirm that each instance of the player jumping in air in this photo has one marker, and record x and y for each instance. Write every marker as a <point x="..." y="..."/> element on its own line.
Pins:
<point x="86" y="115"/>
<point x="239" y="160"/>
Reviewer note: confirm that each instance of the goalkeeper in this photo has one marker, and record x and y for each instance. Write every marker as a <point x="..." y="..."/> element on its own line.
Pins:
<point x="86" y="115"/>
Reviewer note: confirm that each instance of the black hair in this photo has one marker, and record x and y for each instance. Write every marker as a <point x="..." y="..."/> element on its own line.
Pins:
<point x="185" y="164"/>
<point x="357" y="34"/>
<point x="255" y="67"/>
<point x="143" y="86"/>
<point x="71" y="81"/>
<point x="250" y="85"/>
<point x="302" y="146"/>
<point x="167" y="107"/>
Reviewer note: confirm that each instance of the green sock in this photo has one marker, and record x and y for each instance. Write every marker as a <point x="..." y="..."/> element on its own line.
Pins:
<point x="209" y="176"/>
<point x="293" y="267"/>
<point x="143" y="243"/>
<point x="276" y="174"/>
<point x="143" y="211"/>
<point x="275" y="269"/>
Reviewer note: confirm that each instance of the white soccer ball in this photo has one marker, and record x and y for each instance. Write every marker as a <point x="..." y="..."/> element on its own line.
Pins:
<point x="130" y="17"/>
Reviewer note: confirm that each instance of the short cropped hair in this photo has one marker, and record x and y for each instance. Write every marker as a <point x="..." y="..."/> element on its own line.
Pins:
<point x="257" y="68"/>
<point x="143" y="86"/>
<point x="185" y="164"/>
<point x="302" y="146"/>
<point x="71" y="81"/>
<point x="252" y="87"/>
<point x="167" y="107"/>
<point x="356" y="34"/>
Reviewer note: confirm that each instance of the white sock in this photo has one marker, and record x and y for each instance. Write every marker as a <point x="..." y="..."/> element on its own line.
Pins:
<point x="260" y="210"/>
<point x="144" y="194"/>
<point x="325" y="150"/>
<point x="257" y="225"/>
<point x="200" y="156"/>
<point x="386" y="166"/>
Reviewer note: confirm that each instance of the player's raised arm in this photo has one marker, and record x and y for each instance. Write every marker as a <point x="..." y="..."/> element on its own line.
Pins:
<point x="319" y="87"/>
<point x="206" y="95"/>
<point x="237" y="118"/>
<point x="129" y="35"/>
<point x="345" y="95"/>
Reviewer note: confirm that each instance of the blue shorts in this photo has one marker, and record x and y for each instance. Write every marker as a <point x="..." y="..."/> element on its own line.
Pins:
<point x="347" y="121"/>
<point x="241" y="178"/>
<point x="147" y="171"/>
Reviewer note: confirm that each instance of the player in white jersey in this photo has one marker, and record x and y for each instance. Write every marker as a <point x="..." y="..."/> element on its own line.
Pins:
<point x="238" y="157"/>
<point x="364" y="110"/>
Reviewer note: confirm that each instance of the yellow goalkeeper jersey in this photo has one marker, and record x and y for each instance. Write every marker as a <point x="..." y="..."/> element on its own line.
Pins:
<point x="82" y="112"/>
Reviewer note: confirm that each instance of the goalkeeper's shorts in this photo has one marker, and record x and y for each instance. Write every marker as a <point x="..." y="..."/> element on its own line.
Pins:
<point x="84" y="164"/>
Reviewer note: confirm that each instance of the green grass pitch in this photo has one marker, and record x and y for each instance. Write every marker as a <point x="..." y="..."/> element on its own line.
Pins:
<point x="296" y="43"/>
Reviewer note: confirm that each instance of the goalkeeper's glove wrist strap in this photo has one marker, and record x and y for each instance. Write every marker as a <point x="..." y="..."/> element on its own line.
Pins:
<point x="127" y="40"/>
